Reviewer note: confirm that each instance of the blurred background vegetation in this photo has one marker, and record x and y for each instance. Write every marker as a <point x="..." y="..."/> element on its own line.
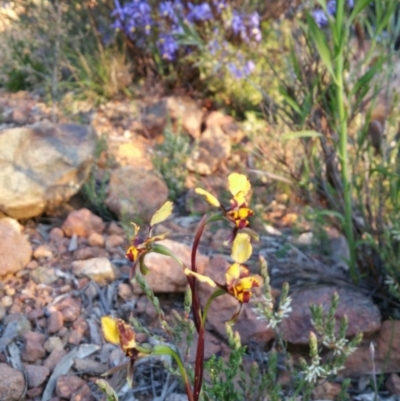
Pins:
<point x="63" y="50"/>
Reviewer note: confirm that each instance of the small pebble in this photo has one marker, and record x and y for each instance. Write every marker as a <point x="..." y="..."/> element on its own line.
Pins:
<point x="56" y="234"/>
<point x="96" y="239"/>
<point x="6" y="301"/>
<point x="42" y="252"/>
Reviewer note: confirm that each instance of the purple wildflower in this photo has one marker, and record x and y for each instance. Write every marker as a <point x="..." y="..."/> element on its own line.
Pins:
<point x="320" y="18"/>
<point x="219" y="5"/>
<point x="237" y="23"/>
<point x="254" y="25"/>
<point x="241" y="72"/>
<point x="249" y="67"/>
<point x="331" y="7"/>
<point x="167" y="10"/>
<point x="235" y="71"/>
<point x="168" y="46"/>
<point x="201" y="12"/>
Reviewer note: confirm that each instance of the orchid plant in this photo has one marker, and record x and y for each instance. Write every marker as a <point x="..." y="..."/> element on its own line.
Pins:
<point x="239" y="283"/>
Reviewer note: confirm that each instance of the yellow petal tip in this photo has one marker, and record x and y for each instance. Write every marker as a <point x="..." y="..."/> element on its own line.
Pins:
<point x="162" y="214"/>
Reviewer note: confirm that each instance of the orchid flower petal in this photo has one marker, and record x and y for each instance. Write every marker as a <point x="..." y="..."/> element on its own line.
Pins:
<point x="241" y="248"/>
<point x="211" y="199"/>
<point x="110" y="329"/>
<point x="238" y="183"/>
<point x="162" y="214"/>
<point x="200" y="277"/>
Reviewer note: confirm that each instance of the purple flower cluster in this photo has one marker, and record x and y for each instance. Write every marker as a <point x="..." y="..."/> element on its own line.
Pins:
<point x="134" y="17"/>
<point x="321" y="18"/>
<point x="243" y="71"/>
<point x="163" y="25"/>
<point x="246" y="26"/>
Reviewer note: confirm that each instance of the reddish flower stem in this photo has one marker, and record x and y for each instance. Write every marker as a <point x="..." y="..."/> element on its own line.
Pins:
<point x="196" y="309"/>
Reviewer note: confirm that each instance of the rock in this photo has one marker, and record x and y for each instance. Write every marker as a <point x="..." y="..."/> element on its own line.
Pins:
<point x="228" y="125"/>
<point x="387" y="352"/>
<point x="54" y="357"/>
<point x="125" y="291"/>
<point x="363" y="315"/>
<point x="80" y="327"/>
<point x="56" y="234"/>
<point x="166" y="275"/>
<point x="36" y="375"/>
<point x="96" y="239"/>
<point x="100" y="270"/>
<point x="114" y="241"/>
<point x="182" y="112"/>
<point x="42" y="166"/>
<point x="225" y="306"/>
<point x="393" y="384"/>
<point x="15" y="249"/>
<point x="68" y="386"/>
<point x="70" y="309"/>
<point x="90" y="367"/>
<point x="325" y="390"/>
<point x="134" y="192"/>
<point x="55" y="322"/>
<point x="17" y="325"/>
<point x="213" y="149"/>
<point x="43" y="275"/>
<point x="33" y="348"/>
<point x="42" y="252"/>
<point x="114" y="228"/>
<point x="89" y="253"/>
<point x="133" y="153"/>
<point x="36" y="313"/>
<point x="53" y="343"/>
<point x="83" y="394"/>
<point x="12" y="383"/>
<point x="82" y="223"/>
<point x="32" y="393"/>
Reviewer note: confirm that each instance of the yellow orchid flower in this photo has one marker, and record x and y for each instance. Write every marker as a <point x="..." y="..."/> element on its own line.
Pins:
<point x="140" y="246"/>
<point x="238" y="280"/>
<point x="116" y="331"/>
<point x="238" y="212"/>
<point x="240" y="283"/>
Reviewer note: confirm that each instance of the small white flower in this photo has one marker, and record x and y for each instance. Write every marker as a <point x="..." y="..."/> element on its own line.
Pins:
<point x="313" y="372"/>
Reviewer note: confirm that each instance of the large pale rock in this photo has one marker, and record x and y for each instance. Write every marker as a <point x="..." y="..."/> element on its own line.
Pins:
<point x="42" y="166"/>
<point x="135" y="192"/>
<point x="363" y="315"/>
<point x="15" y="250"/>
<point x="100" y="270"/>
<point x="165" y="274"/>
<point x="12" y="383"/>
<point x="183" y="112"/>
<point x="211" y="151"/>
<point x="224" y="307"/>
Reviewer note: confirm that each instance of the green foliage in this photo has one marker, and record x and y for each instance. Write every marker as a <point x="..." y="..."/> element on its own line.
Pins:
<point x="56" y="47"/>
<point x="94" y="190"/>
<point x="339" y="86"/>
<point x="169" y="160"/>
